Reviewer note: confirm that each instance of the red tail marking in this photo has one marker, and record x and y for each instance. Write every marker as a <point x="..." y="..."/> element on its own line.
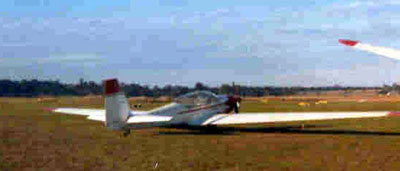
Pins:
<point x="111" y="86"/>
<point x="348" y="42"/>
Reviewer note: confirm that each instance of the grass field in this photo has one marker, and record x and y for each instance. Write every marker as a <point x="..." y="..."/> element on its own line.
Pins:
<point x="32" y="138"/>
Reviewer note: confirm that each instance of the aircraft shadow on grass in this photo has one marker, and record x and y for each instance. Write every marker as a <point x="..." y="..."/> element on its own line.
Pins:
<point x="295" y="129"/>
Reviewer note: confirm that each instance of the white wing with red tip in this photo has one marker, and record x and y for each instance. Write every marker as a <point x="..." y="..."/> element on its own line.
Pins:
<point x="250" y="118"/>
<point x="382" y="51"/>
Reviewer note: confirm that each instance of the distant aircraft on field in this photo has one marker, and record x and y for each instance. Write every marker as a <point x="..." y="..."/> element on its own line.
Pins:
<point x="199" y="108"/>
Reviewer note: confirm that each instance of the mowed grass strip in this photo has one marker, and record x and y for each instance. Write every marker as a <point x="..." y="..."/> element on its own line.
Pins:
<point x="31" y="137"/>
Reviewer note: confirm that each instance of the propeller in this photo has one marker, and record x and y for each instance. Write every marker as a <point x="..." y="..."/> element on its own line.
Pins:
<point x="236" y="97"/>
<point x="234" y="100"/>
<point x="237" y="105"/>
<point x="234" y="103"/>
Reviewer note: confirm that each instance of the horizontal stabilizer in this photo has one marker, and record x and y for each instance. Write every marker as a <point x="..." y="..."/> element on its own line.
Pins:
<point x="92" y="114"/>
<point x="77" y="111"/>
<point x="99" y="115"/>
<point x="148" y="118"/>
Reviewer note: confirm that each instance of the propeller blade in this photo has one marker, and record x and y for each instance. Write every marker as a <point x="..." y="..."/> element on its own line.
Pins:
<point x="233" y="104"/>
<point x="236" y="108"/>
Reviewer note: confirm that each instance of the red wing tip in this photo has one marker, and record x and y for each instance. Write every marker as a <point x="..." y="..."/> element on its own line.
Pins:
<point x="49" y="109"/>
<point x="111" y="86"/>
<point x="348" y="42"/>
<point x="397" y="113"/>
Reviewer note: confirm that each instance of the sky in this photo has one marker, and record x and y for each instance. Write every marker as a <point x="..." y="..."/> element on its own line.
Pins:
<point x="181" y="42"/>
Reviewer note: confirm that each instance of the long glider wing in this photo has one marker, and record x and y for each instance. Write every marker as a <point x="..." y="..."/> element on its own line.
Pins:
<point x="249" y="118"/>
<point x="382" y="51"/>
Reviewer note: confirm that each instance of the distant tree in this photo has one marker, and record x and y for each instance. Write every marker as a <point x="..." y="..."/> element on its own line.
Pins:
<point x="29" y="88"/>
<point x="225" y="89"/>
<point x="156" y="91"/>
<point x="200" y="86"/>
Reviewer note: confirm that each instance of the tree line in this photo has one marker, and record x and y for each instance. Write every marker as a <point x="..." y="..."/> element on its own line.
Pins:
<point x="34" y="88"/>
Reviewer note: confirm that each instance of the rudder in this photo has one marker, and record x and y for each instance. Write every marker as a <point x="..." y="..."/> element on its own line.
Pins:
<point x="116" y="104"/>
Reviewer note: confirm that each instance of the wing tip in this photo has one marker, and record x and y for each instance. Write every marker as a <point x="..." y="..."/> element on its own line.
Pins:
<point x="348" y="42"/>
<point x="396" y="113"/>
<point x="49" y="109"/>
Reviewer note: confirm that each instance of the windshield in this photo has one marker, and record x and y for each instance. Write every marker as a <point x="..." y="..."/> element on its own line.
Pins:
<point x="198" y="98"/>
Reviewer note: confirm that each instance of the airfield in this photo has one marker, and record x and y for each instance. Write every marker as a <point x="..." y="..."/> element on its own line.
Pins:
<point x="33" y="138"/>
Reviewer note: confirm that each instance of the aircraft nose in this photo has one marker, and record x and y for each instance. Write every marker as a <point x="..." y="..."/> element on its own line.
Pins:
<point x="233" y="102"/>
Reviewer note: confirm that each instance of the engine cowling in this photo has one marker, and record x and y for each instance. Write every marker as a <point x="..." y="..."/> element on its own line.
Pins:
<point x="233" y="103"/>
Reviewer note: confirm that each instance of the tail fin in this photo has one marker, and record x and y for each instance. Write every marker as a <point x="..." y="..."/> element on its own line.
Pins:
<point x="116" y="104"/>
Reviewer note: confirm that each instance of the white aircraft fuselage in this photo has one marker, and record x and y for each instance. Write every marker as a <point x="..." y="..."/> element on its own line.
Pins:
<point x="193" y="114"/>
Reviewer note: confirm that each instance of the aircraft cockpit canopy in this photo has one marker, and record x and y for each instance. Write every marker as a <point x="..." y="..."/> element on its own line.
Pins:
<point x="198" y="98"/>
